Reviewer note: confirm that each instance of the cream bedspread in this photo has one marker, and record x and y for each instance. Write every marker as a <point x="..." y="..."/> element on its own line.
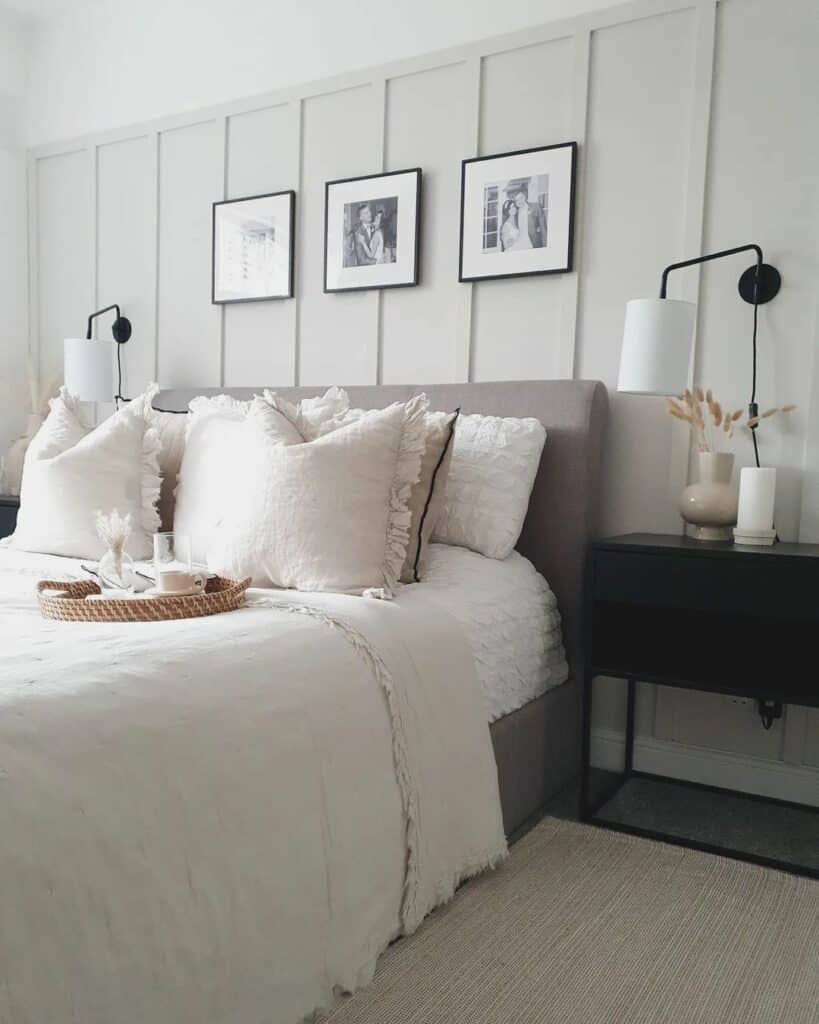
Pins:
<point x="226" y="819"/>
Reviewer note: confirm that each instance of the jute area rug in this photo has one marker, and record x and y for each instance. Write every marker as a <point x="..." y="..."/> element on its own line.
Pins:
<point x="585" y="926"/>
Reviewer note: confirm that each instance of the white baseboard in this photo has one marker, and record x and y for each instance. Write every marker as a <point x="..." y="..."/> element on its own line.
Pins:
<point x="712" y="767"/>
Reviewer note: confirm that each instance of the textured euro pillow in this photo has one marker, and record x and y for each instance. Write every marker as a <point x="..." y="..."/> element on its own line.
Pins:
<point x="494" y="464"/>
<point x="213" y="453"/>
<point x="70" y="472"/>
<point x="328" y="514"/>
<point x="315" y="417"/>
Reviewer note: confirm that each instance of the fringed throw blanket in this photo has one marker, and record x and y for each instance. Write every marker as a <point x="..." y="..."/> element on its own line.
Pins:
<point x="227" y="819"/>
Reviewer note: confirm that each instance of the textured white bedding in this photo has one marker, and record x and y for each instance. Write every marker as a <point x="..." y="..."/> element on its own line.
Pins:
<point x="509" y="617"/>
<point x="225" y="819"/>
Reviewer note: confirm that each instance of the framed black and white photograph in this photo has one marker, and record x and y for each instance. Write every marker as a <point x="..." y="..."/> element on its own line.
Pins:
<point x="253" y="248"/>
<point x="372" y="231"/>
<point x="517" y="213"/>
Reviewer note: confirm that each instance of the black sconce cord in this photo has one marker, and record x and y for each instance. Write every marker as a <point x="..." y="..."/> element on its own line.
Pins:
<point x="753" y="408"/>
<point x="119" y="397"/>
<point x="121" y="329"/>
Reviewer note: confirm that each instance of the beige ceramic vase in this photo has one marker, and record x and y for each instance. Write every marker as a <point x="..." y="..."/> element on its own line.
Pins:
<point x="710" y="505"/>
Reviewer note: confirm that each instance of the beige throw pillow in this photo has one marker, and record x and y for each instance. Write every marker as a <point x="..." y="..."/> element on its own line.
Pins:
<point x="316" y="417"/>
<point x="328" y="514"/>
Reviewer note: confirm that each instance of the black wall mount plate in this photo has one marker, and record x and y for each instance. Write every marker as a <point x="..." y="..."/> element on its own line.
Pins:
<point x="770" y="282"/>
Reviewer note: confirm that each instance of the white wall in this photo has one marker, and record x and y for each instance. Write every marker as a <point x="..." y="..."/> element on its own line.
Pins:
<point x="697" y="129"/>
<point x="113" y="62"/>
<point x="13" y="246"/>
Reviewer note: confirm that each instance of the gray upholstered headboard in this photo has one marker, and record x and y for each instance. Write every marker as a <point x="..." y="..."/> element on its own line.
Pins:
<point x="563" y="506"/>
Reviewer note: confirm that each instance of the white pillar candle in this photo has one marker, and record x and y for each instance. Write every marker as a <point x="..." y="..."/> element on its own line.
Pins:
<point x="757" y="492"/>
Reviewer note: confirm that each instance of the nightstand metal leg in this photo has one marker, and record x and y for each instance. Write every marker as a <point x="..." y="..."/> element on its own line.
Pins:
<point x="585" y="747"/>
<point x="629" y="764"/>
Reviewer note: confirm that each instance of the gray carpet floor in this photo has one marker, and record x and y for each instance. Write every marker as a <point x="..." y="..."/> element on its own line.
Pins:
<point x="586" y="926"/>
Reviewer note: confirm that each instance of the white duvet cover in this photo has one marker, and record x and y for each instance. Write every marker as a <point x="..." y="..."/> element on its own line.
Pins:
<point x="225" y="819"/>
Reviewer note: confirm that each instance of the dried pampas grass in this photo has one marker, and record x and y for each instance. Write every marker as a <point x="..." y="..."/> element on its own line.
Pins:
<point x="701" y="411"/>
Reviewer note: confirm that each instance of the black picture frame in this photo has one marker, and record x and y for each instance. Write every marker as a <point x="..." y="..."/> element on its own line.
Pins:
<point x="290" y="291"/>
<point x="415" y="246"/>
<point x="569" y="263"/>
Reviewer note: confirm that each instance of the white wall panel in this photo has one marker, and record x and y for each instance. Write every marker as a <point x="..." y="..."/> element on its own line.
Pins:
<point x="426" y="127"/>
<point x="636" y="155"/>
<point x="338" y="333"/>
<point x="191" y="174"/>
<point x="126" y="250"/>
<point x="260" y="337"/>
<point x="64" y="266"/>
<point x="526" y="102"/>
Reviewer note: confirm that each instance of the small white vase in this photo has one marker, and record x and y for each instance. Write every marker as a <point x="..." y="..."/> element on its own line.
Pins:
<point x="16" y="455"/>
<point x="116" y="572"/>
<point x="709" y="506"/>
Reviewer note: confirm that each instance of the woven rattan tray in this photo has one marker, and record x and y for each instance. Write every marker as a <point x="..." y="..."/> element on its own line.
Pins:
<point x="70" y="605"/>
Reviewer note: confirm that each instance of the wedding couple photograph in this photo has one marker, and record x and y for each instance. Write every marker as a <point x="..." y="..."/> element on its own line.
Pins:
<point x="516" y="214"/>
<point x="370" y="232"/>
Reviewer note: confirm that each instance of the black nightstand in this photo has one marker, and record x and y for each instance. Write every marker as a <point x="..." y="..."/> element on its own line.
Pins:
<point x="701" y="616"/>
<point x="8" y="515"/>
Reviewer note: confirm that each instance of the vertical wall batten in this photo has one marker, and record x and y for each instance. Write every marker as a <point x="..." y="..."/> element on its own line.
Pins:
<point x="93" y="187"/>
<point x="380" y="88"/>
<point x="571" y="283"/>
<point x="225" y="132"/>
<point x="153" y="206"/>
<point x="32" y="200"/>
<point x="697" y="175"/>
<point x="472" y="141"/>
<point x="298" y="269"/>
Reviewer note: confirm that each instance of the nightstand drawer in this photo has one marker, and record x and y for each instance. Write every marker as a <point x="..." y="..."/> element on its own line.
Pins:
<point x="708" y="584"/>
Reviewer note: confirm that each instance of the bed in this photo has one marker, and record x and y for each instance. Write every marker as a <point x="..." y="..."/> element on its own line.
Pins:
<point x="229" y="819"/>
<point x="537" y="747"/>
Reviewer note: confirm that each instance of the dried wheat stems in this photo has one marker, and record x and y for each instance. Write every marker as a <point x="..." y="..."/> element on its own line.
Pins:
<point x="708" y="421"/>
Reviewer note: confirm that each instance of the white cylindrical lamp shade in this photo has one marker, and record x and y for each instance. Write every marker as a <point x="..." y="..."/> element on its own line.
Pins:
<point x="757" y="495"/>
<point x="89" y="369"/>
<point x="657" y="339"/>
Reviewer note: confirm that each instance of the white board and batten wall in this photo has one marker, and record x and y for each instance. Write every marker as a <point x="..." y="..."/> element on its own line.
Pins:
<point x="696" y="124"/>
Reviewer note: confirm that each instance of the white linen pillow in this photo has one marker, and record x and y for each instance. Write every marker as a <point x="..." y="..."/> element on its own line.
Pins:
<point x="494" y="464"/>
<point x="319" y="416"/>
<point x="214" y="440"/>
<point x="329" y="514"/>
<point x="70" y="472"/>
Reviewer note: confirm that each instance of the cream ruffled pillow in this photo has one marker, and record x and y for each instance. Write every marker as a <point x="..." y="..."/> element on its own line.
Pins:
<point x="72" y="471"/>
<point x="314" y="417"/>
<point x="328" y="514"/>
